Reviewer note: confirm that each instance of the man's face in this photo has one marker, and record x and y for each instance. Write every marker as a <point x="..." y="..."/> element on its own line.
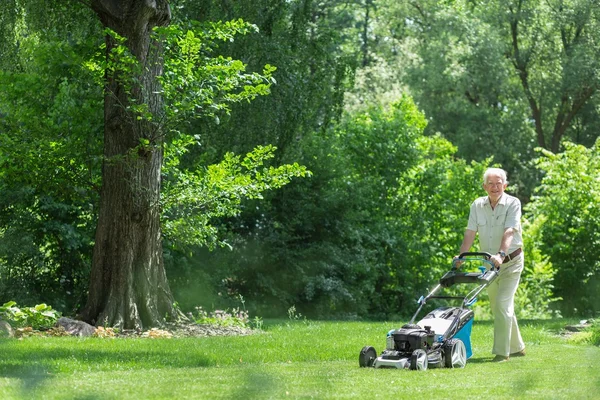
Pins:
<point x="494" y="186"/>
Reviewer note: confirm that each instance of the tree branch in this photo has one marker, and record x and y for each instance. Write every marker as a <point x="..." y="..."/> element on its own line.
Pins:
<point x="563" y="119"/>
<point x="521" y="65"/>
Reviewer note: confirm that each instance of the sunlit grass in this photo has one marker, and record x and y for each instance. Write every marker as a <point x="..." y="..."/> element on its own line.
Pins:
<point x="302" y="359"/>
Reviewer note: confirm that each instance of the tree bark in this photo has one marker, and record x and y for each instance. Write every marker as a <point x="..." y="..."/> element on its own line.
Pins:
<point x="128" y="284"/>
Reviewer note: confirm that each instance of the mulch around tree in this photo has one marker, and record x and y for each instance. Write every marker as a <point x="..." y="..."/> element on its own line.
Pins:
<point x="169" y="330"/>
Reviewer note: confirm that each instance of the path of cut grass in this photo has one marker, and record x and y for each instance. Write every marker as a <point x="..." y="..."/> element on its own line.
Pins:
<point x="289" y="360"/>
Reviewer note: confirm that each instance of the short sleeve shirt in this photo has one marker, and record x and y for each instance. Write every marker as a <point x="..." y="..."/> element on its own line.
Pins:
<point x="491" y="224"/>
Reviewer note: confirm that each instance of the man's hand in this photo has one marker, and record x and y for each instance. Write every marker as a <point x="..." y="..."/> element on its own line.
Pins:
<point x="457" y="262"/>
<point x="497" y="259"/>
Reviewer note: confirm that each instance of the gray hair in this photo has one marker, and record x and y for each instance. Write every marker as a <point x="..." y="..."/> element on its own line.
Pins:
<point x="495" y="171"/>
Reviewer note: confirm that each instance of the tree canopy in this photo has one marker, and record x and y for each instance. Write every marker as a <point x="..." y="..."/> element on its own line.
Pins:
<point x="150" y="151"/>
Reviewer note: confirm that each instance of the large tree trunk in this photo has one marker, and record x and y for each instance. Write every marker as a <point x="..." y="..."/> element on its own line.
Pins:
<point x="128" y="284"/>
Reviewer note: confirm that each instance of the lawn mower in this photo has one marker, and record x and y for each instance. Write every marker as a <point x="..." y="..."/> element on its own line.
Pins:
<point x="443" y="337"/>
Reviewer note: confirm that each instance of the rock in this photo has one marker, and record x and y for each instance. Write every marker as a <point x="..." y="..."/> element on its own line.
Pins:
<point x="583" y="325"/>
<point x="5" y="329"/>
<point x="76" y="328"/>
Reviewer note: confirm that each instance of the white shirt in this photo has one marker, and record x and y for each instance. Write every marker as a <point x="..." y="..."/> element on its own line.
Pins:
<point x="491" y="224"/>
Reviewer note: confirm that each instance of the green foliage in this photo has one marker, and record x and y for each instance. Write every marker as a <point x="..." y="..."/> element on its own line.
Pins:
<point x="51" y="155"/>
<point x="595" y="339"/>
<point x="566" y="207"/>
<point x="26" y="24"/>
<point x="433" y="204"/>
<point x="498" y="78"/>
<point x="586" y="332"/>
<point x="455" y="66"/>
<point x="416" y="223"/>
<point x="271" y="239"/>
<point x="196" y="83"/>
<point x="193" y="199"/>
<point x="305" y="41"/>
<point x="535" y="297"/>
<point x="386" y="205"/>
<point x="41" y="316"/>
<point x="375" y="224"/>
<point x="235" y="317"/>
<point x="49" y="179"/>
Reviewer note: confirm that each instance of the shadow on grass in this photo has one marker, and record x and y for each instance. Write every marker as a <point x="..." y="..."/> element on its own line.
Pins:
<point x="256" y="384"/>
<point x="39" y="357"/>
<point x="30" y="375"/>
<point x="315" y="380"/>
<point x="35" y="363"/>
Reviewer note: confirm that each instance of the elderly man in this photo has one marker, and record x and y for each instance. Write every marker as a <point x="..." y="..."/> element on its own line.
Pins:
<point x="496" y="218"/>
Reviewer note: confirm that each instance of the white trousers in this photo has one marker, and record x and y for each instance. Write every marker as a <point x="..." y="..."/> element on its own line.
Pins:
<point x="507" y="337"/>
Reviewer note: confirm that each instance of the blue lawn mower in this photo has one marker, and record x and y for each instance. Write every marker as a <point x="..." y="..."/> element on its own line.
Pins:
<point x="443" y="337"/>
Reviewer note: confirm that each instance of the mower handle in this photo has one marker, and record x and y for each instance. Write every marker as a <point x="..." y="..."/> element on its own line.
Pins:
<point x="484" y="255"/>
<point x="476" y="253"/>
<point x="483" y="279"/>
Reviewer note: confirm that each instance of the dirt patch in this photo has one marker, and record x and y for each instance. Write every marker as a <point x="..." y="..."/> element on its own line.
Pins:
<point x="187" y="330"/>
<point x="180" y="330"/>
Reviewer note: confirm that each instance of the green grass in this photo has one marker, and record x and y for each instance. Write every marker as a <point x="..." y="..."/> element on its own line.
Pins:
<point x="290" y="360"/>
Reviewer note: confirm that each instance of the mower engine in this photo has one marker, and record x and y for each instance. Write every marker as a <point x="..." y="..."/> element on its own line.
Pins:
<point x="407" y="340"/>
<point x="409" y="344"/>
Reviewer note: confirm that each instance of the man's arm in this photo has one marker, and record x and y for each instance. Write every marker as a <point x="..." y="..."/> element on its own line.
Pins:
<point x="507" y="238"/>
<point x="512" y="224"/>
<point x="468" y="240"/>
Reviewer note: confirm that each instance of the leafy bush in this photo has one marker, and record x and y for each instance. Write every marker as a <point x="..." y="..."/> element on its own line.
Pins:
<point x="41" y="316"/>
<point x="49" y="176"/>
<point x="567" y="210"/>
<point x="194" y="199"/>
<point x="235" y="317"/>
<point x="379" y="220"/>
<point x="595" y="339"/>
<point x="534" y="298"/>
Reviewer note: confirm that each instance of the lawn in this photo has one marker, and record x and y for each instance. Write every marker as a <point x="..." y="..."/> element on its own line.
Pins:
<point x="290" y="359"/>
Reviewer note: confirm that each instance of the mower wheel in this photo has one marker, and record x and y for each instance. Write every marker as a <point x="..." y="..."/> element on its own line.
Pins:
<point x="367" y="357"/>
<point x="455" y="354"/>
<point x="418" y="360"/>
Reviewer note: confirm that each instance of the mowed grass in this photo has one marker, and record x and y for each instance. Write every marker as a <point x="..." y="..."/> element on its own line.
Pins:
<point x="290" y="360"/>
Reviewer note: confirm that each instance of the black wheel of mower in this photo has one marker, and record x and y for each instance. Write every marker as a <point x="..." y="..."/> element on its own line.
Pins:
<point x="455" y="354"/>
<point x="367" y="357"/>
<point x="418" y="360"/>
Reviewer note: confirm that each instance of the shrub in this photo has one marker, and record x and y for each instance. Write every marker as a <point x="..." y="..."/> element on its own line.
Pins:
<point x="236" y="317"/>
<point x="566" y="209"/>
<point x="534" y="297"/>
<point x="595" y="339"/>
<point x="41" y="316"/>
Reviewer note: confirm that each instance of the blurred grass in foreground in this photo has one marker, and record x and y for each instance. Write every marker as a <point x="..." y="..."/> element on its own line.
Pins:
<point x="291" y="359"/>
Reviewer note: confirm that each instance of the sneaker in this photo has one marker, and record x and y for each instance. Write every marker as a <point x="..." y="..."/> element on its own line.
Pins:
<point x="518" y="354"/>
<point x="499" y="358"/>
